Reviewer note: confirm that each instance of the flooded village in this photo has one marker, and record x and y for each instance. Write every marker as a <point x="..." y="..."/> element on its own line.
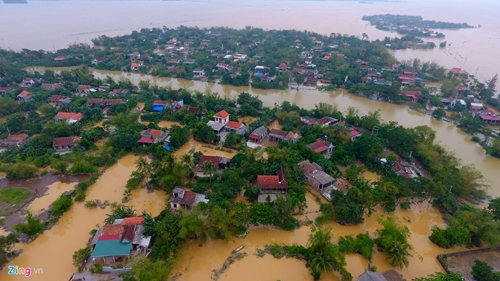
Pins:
<point x="168" y="167"/>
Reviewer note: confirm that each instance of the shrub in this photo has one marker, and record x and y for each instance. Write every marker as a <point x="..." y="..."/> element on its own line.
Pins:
<point x="61" y="205"/>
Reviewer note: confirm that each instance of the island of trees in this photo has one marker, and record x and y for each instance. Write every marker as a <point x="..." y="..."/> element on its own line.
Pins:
<point x="414" y="26"/>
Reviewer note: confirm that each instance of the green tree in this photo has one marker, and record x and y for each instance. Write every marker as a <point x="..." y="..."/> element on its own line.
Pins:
<point x="283" y="213"/>
<point x="208" y="169"/>
<point x="324" y="255"/>
<point x="483" y="272"/>
<point x="32" y="227"/>
<point x="494" y="208"/>
<point x="61" y="205"/>
<point x="144" y="169"/>
<point x="393" y="240"/>
<point x="144" y="269"/>
<point x="119" y="212"/>
<point x="6" y="244"/>
<point x="80" y="256"/>
<point x="192" y="226"/>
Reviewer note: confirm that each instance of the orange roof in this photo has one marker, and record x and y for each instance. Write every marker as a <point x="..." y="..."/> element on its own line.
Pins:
<point x="155" y="132"/>
<point x="65" y="115"/>
<point x="24" y="94"/>
<point x="133" y="220"/>
<point x="222" y="114"/>
<point x="233" y="124"/>
<point x="112" y="229"/>
<point x="134" y="64"/>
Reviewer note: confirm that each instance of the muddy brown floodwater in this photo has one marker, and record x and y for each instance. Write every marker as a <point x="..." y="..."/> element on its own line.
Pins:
<point x="53" y="249"/>
<point x="197" y="262"/>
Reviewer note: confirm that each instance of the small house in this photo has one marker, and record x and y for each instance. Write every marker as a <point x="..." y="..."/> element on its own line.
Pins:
<point x="404" y="168"/>
<point x="272" y="185"/>
<point x="411" y="95"/>
<point x="327" y="121"/>
<point x="371" y="276"/>
<point x="28" y="82"/>
<point x="65" y="144"/>
<point x="151" y="136"/>
<point x="94" y="102"/>
<point x="57" y="100"/>
<point x="322" y="146"/>
<point x="159" y="105"/>
<point x="24" y="96"/>
<point x="237" y="127"/>
<point x="309" y="121"/>
<point x="277" y="135"/>
<point x="84" y="89"/>
<point x="97" y="61"/>
<point x="14" y="141"/>
<point x="258" y="134"/>
<point x="69" y="117"/>
<point x="4" y="90"/>
<point x="354" y="134"/>
<point x="198" y="73"/>
<point x="317" y="178"/>
<point x="291" y="137"/>
<point x="186" y="199"/>
<point x="218" y="162"/>
<point x="221" y="118"/>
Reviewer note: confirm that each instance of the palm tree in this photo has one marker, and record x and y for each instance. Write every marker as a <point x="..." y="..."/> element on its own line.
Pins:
<point x="208" y="169"/>
<point x="144" y="168"/>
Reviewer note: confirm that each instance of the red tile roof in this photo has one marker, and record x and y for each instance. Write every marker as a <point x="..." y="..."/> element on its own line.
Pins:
<point x="24" y="94"/>
<point x="65" y="115"/>
<point x="113" y="101"/>
<point x="355" y="133"/>
<point x="112" y="229"/>
<point x="18" y="137"/>
<point x="134" y="65"/>
<point x="94" y="101"/>
<point x="188" y="197"/>
<point x="214" y="159"/>
<point x="155" y="132"/>
<point x="109" y="237"/>
<point x="84" y="87"/>
<point x="133" y="220"/>
<point x="145" y="140"/>
<point x="222" y="114"/>
<point x="66" y="141"/>
<point x="234" y="125"/>
<point x="160" y="102"/>
<point x="416" y="94"/>
<point x="56" y="98"/>
<point x="270" y="182"/>
<point x="319" y="145"/>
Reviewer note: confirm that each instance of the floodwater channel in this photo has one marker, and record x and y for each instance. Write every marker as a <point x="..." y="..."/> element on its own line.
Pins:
<point x="52" y="250"/>
<point x="197" y="261"/>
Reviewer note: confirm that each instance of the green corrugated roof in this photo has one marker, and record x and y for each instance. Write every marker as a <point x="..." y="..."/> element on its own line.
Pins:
<point x="108" y="248"/>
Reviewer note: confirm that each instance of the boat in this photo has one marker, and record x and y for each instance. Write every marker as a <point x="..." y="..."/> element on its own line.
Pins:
<point x="238" y="249"/>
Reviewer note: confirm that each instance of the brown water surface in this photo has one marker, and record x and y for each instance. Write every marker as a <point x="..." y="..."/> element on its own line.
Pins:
<point x="53" y="249"/>
<point x="53" y="192"/>
<point x="196" y="262"/>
